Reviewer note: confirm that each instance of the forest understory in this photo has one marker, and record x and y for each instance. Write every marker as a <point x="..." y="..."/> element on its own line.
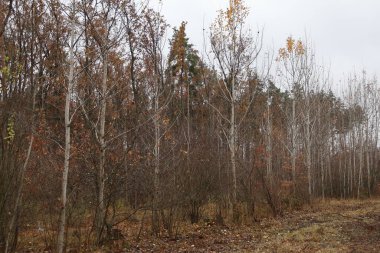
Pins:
<point x="324" y="226"/>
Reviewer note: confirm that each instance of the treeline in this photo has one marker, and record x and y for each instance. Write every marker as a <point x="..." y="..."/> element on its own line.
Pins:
<point x="97" y="122"/>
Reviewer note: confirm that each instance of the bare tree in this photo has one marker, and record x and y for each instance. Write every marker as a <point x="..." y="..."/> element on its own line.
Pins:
<point x="68" y="120"/>
<point x="235" y="50"/>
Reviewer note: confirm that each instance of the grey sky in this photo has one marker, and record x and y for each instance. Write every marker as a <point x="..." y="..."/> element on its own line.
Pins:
<point x="345" y="33"/>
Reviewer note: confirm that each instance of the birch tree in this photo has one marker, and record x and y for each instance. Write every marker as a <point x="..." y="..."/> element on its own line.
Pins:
<point x="68" y="121"/>
<point x="155" y="27"/>
<point x="234" y="50"/>
<point x="291" y="75"/>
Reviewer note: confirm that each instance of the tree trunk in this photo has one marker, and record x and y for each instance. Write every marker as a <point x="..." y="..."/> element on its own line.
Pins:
<point x="101" y="174"/>
<point x="269" y="148"/>
<point x="293" y="152"/>
<point x="360" y="176"/>
<point x="308" y="149"/>
<point x="62" y="225"/>
<point x="233" y="153"/>
<point x="155" y="214"/>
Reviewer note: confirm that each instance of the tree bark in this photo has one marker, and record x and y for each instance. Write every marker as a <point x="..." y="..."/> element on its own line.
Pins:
<point x="101" y="171"/>
<point x="156" y="180"/>
<point x="66" y="166"/>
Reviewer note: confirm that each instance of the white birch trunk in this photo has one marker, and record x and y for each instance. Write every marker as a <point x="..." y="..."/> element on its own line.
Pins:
<point x="293" y="153"/>
<point x="269" y="146"/>
<point x="62" y="225"/>
<point x="156" y="180"/>
<point x="101" y="174"/>
<point x="308" y="147"/>
<point x="233" y="147"/>
<point x="360" y="175"/>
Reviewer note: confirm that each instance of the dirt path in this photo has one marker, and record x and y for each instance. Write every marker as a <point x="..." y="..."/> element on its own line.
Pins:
<point x="335" y="226"/>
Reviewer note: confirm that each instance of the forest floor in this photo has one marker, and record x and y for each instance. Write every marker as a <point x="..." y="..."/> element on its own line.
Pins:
<point x="330" y="226"/>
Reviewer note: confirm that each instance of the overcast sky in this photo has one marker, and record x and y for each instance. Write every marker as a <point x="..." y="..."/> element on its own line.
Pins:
<point x="345" y="33"/>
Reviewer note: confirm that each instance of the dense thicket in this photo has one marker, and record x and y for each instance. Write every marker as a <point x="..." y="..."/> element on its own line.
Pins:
<point x="97" y="121"/>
